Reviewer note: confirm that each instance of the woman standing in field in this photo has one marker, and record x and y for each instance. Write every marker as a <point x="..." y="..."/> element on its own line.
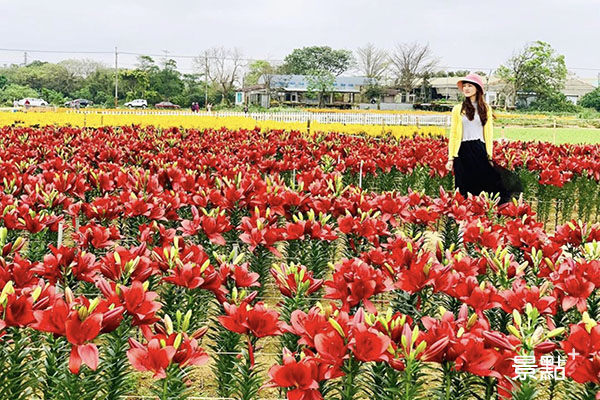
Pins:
<point x="470" y="146"/>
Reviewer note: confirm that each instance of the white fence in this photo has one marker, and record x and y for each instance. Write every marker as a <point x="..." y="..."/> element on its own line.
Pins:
<point x="326" y="118"/>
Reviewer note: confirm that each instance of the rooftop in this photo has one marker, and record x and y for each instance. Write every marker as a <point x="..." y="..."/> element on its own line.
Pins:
<point x="299" y="83"/>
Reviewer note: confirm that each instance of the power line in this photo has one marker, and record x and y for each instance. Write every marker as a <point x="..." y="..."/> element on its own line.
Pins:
<point x="133" y="53"/>
<point x="204" y="57"/>
<point x="200" y="57"/>
<point x="56" y="51"/>
<point x="488" y="68"/>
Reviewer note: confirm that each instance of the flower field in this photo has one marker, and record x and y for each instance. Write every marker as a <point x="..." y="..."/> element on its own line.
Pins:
<point x="188" y="120"/>
<point x="255" y="263"/>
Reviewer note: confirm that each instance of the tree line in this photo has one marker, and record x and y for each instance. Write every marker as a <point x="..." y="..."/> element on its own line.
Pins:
<point x="535" y="69"/>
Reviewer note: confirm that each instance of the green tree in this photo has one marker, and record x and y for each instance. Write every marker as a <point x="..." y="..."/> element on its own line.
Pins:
<point x="319" y="83"/>
<point x="443" y="74"/>
<point x="319" y="59"/>
<point x="167" y="82"/>
<point x="38" y="75"/>
<point x="591" y="100"/>
<point x="374" y="91"/>
<point x="99" y="87"/>
<point x="16" y="92"/>
<point x="133" y="84"/>
<point x="53" y="97"/>
<point x="261" y="71"/>
<point x="147" y="64"/>
<point x="193" y="90"/>
<point x="553" y="102"/>
<point x="536" y="69"/>
<point x="258" y="69"/>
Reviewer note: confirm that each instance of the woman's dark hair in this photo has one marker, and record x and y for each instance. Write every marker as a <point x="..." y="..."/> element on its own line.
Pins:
<point x="469" y="110"/>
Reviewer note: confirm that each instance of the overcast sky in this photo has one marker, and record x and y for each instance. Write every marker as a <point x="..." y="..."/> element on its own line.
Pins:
<point x="462" y="34"/>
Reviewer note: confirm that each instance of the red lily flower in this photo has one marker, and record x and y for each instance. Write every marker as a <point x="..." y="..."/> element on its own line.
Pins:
<point x="307" y="326"/>
<point x="18" y="310"/>
<point x="476" y="359"/>
<point x="331" y="347"/>
<point x="213" y="227"/>
<point x="244" y="278"/>
<point x="479" y="296"/>
<point x="126" y="263"/>
<point x="151" y="357"/>
<point x="262" y="322"/>
<point x="576" y="289"/>
<point x="367" y="344"/>
<point x="102" y="208"/>
<point x="53" y="319"/>
<point x="583" y="350"/>
<point x="256" y="320"/>
<point x="520" y="294"/>
<point x="355" y="281"/>
<point x="79" y="332"/>
<point x="96" y="236"/>
<point x="260" y="231"/>
<point x="298" y="376"/>
<point x="140" y="304"/>
<point x="20" y="271"/>
<point x="189" y="266"/>
<point x="189" y="353"/>
<point x="294" y="279"/>
<point x="236" y="317"/>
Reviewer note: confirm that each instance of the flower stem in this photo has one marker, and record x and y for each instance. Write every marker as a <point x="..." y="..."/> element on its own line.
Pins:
<point x="448" y="379"/>
<point x="350" y="386"/>
<point x="165" y="392"/>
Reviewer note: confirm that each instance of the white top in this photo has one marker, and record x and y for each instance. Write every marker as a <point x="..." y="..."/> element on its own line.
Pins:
<point x="472" y="130"/>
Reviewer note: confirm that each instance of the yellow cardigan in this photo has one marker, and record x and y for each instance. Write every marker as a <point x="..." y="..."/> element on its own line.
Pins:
<point x="456" y="132"/>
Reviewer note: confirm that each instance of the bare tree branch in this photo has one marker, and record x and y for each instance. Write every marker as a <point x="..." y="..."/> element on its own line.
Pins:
<point x="82" y="68"/>
<point x="372" y="62"/>
<point x="411" y="61"/>
<point x="222" y="68"/>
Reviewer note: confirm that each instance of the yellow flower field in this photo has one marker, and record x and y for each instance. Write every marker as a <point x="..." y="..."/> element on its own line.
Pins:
<point x="498" y="114"/>
<point x="95" y="119"/>
<point x="337" y="111"/>
<point x="532" y="116"/>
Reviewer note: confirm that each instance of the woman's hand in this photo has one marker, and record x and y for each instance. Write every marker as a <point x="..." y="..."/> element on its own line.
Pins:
<point x="449" y="165"/>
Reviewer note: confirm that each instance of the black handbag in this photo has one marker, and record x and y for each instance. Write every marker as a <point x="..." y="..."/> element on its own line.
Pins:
<point x="511" y="182"/>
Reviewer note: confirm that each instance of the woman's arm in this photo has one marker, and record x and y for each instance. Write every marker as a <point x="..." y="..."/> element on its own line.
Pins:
<point x="452" y="150"/>
<point x="488" y="134"/>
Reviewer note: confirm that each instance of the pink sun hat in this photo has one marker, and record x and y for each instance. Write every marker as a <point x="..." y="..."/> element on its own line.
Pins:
<point x="473" y="78"/>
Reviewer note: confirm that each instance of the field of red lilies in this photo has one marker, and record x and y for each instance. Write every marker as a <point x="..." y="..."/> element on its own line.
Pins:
<point x="139" y="262"/>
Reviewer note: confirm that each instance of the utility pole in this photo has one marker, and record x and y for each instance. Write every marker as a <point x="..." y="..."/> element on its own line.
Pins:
<point x="166" y="57"/>
<point x="205" y="79"/>
<point x="25" y="59"/>
<point x="487" y="86"/>
<point x="116" y="78"/>
<point x="447" y="85"/>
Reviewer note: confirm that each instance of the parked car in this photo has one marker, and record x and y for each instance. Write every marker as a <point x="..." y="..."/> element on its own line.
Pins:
<point x="81" y="102"/>
<point x="166" y="104"/>
<point x="32" y="102"/>
<point x="137" y="103"/>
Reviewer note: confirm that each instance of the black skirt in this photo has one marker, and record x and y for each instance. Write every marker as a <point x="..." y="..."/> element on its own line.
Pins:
<point x="474" y="174"/>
